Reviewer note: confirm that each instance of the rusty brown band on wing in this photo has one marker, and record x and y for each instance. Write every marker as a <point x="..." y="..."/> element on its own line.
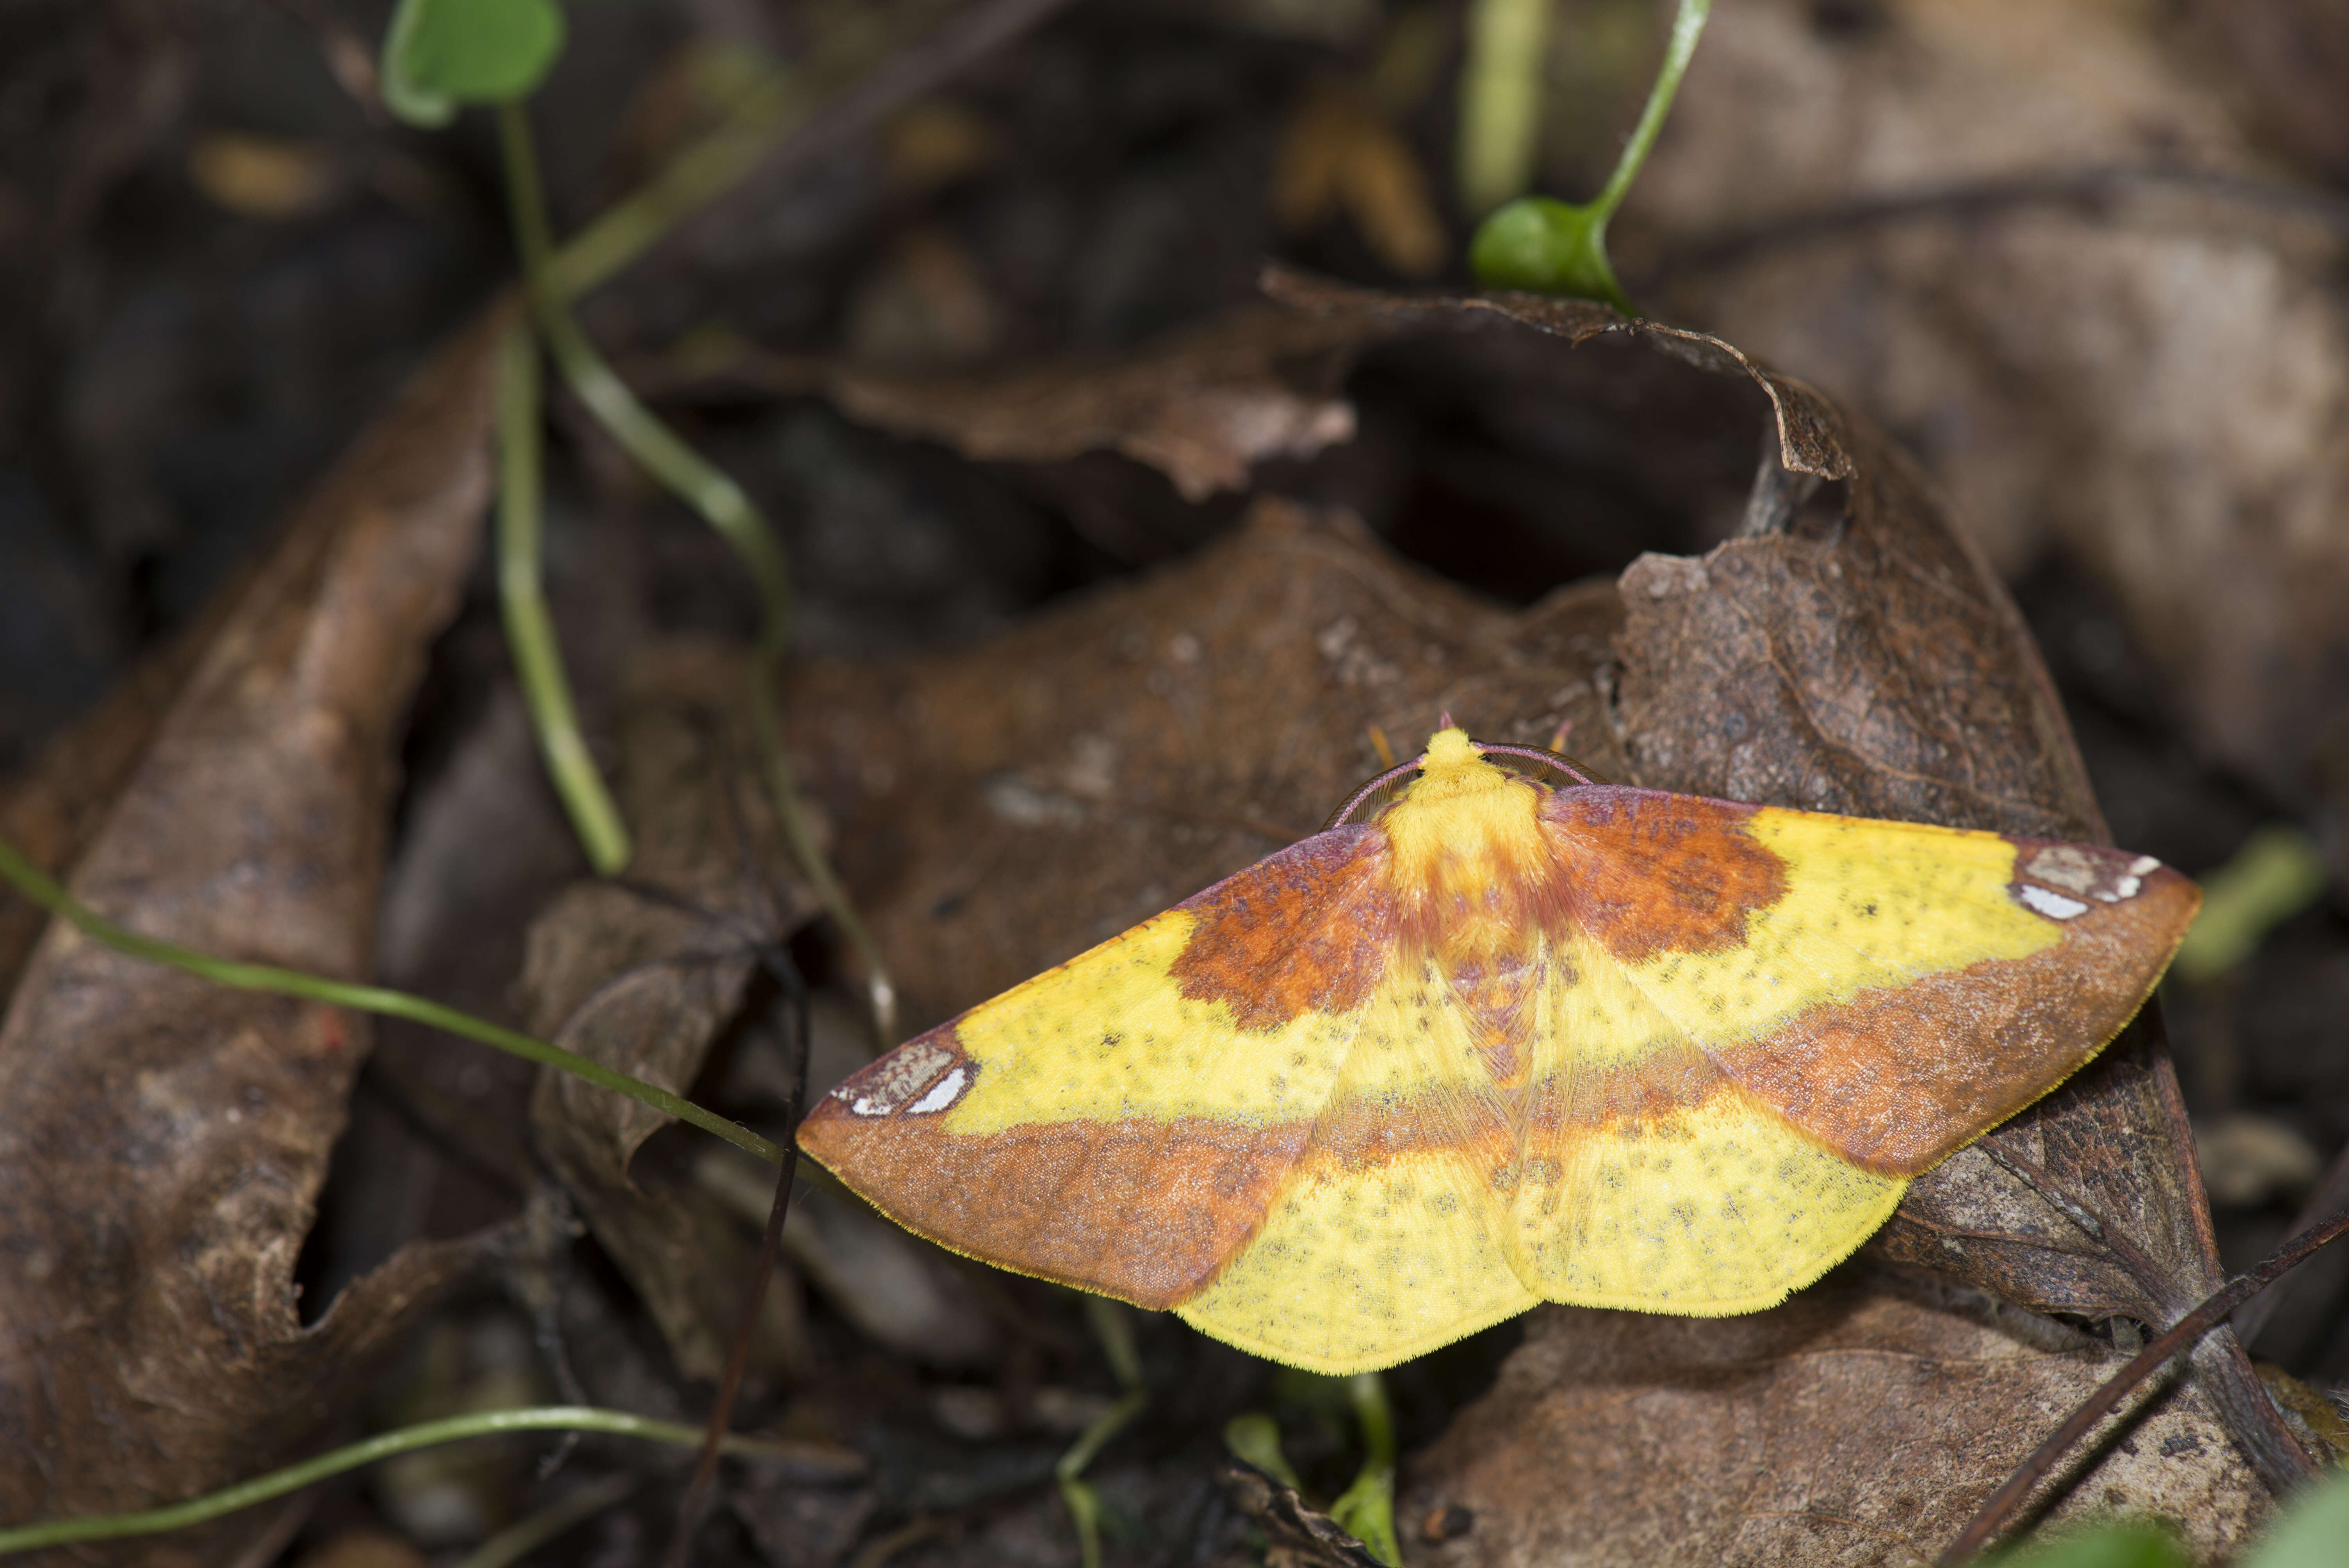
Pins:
<point x="1144" y="1210"/>
<point x="1149" y="1210"/>
<point x="1899" y="1078"/>
<point x="1307" y="930"/>
<point x="1645" y="872"/>
<point x="1668" y="1079"/>
<point x="1363" y="1134"/>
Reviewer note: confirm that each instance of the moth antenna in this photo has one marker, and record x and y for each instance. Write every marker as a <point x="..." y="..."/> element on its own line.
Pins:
<point x="1337" y="817"/>
<point x="1557" y="737"/>
<point x="1551" y="758"/>
<point x="1444" y="720"/>
<point x="1379" y="745"/>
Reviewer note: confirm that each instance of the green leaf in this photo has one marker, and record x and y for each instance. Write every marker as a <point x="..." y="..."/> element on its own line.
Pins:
<point x="2115" y="1543"/>
<point x="438" y="54"/>
<point x="1543" y="245"/>
<point x="2312" y="1530"/>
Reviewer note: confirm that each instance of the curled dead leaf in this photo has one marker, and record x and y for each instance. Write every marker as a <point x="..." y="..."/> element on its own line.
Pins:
<point x="646" y="984"/>
<point x="1200" y="405"/>
<point x="1003" y="809"/>
<point x="2040" y="242"/>
<point x="166" y="1139"/>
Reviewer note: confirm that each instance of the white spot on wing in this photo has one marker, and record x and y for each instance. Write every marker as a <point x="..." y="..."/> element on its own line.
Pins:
<point x="941" y="1096"/>
<point x="2065" y="866"/>
<point x="895" y="1078"/>
<point x="2144" y="866"/>
<point x="2053" y="906"/>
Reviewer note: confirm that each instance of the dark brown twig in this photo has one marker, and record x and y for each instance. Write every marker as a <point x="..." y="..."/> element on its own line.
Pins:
<point x="2003" y="1503"/>
<point x="2331" y="1193"/>
<point x="2246" y="1408"/>
<point x="738" y="1359"/>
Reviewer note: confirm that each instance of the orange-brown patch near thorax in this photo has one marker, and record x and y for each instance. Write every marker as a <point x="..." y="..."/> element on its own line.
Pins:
<point x="1648" y="873"/>
<point x="1306" y="929"/>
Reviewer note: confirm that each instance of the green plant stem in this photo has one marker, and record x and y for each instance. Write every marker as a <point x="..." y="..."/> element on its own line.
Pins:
<point x="382" y="1446"/>
<point x="721" y="502"/>
<point x="1687" y="27"/>
<point x="1115" y="1332"/>
<point x="1556" y="247"/>
<point x="1083" y="1502"/>
<point x="1255" y="1437"/>
<point x="703" y="172"/>
<point x="1500" y="100"/>
<point x="1367" y="1507"/>
<point x="43" y="890"/>
<point x="529" y="630"/>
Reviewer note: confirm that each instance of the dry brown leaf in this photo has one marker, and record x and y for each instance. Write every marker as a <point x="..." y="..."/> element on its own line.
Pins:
<point x="1200" y="405"/>
<point x="1871" y="665"/>
<point x="1846" y="1427"/>
<point x="645" y="986"/>
<point x="2019" y="234"/>
<point x="1003" y="809"/>
<point x="51" y="809"/>
<point x="166" y="1139"/>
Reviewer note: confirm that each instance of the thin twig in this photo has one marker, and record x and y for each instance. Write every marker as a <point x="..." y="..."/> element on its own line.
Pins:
<point x="2331" y="1193"/>
<point x="738" y="1359"/>
<point x="2003" y="1503"/>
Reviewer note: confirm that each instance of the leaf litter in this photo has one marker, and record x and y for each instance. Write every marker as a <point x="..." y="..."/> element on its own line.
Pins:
<point x="1002" y="804"/>
<point x="1858" y="657"/>
<point x="166" y="1139"/>
<point x="1000" y="807"/>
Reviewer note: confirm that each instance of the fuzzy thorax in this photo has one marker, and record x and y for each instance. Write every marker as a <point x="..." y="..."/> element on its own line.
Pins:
<point x="1465" y="845"/>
